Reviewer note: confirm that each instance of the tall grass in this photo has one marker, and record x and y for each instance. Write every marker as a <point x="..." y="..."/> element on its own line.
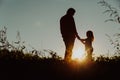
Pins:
<point x="17" y="64"/>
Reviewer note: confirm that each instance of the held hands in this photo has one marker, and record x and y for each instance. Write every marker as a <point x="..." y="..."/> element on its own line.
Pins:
<point x="78" y="37"/>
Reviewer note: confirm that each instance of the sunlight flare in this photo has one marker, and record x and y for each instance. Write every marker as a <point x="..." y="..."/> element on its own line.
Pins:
<point x="78" y="54"/>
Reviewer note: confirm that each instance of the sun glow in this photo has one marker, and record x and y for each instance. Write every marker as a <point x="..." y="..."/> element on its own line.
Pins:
<point x="78" y="54"/>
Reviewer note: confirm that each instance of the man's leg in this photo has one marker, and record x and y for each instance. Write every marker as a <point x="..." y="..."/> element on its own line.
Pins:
<point x="69" y="47"/>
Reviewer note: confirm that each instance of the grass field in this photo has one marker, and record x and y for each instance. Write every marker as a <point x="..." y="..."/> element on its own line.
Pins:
<point x="20" y="66"/>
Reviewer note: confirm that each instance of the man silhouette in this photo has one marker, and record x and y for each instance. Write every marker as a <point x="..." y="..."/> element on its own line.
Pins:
<point x="69" y="32"/>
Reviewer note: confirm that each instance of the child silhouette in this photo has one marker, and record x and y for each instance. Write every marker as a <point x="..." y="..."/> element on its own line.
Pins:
<point x="88" y="44"/>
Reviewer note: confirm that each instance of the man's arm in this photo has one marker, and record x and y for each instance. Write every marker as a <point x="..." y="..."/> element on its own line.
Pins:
<point x="75" y="30"/>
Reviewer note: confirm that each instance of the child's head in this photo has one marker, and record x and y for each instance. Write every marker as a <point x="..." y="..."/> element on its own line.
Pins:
<point x="90" y="35"/>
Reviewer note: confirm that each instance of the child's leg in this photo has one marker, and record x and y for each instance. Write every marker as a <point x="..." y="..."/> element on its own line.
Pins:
<point x="89" y="54"/>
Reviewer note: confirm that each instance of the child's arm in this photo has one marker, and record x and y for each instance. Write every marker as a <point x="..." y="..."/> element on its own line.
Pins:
<point x="82" y="40"/>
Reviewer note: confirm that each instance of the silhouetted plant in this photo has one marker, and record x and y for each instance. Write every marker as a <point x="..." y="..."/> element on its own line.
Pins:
<point x="37" y="52"/>
<point x="53" y="54"/>
<point x="115" y="59"/>
<point x="102" y="58"/>
<point x="112" y="11"/>
<point x="115" y="43"/>
<point x="3" y="39"/>
<point x="19" y="44"/>
<point x="16" y="53"/>
<point x="16" y="49"/>
<point x="5" y="44"/>
<point x="114" y="15"/>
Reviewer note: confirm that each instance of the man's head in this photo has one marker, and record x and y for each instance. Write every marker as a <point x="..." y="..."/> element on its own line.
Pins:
<point x="71" y="11"/>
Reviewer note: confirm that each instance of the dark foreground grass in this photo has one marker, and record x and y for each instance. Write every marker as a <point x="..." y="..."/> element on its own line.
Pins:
<point x="18" y="66"/>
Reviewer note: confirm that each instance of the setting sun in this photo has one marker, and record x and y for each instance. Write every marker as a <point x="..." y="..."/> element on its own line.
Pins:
<point x="78" y="54"/>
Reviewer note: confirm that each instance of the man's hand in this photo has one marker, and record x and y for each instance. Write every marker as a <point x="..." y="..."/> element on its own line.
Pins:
<point x="78" y="37"/>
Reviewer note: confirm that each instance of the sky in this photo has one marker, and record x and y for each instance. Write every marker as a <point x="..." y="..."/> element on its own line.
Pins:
<point x="38" y="23"/>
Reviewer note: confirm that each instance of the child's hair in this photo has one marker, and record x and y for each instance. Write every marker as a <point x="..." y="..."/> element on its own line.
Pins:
<point x="90" y="35"/>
